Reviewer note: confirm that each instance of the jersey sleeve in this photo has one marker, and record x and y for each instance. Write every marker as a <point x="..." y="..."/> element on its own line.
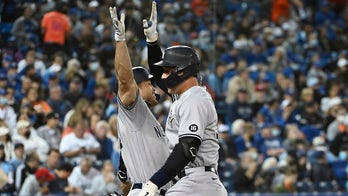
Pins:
<point x="193" y="119"/>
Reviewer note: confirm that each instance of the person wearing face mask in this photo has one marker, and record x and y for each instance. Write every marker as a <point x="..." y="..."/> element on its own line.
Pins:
<point x="7" y="113"/>
<point x="32" y="142"/>
<point x="269" y="141"/>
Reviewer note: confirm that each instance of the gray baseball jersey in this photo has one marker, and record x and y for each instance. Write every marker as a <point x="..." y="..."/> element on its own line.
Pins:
<point x="145" y="147"/>
<point x="194" y="114"/>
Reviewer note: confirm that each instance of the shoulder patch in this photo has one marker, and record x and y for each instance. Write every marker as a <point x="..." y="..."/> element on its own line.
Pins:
<point x="193" y="128"/>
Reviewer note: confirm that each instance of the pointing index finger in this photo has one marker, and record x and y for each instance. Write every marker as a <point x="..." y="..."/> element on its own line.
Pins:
<point x="153" y="11"/>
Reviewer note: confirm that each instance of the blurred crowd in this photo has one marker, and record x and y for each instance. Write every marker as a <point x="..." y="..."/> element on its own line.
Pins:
<point x="276" y="69"/>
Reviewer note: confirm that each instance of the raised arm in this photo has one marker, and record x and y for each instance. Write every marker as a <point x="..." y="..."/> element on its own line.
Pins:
<point x="154" y="52"/>
<point x="127" y="88"/>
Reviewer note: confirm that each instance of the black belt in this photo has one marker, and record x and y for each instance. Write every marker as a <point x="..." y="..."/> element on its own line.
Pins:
<point x="206" y="168"/>
<point x="140" y="186"/>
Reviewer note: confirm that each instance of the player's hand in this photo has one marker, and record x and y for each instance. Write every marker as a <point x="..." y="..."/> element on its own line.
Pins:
<point x="149" y="189"/>
<point x="120" y="32"/>
<point x="150" y="26"/>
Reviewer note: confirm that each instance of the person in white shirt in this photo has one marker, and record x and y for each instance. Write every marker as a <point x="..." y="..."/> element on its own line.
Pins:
<point x="82" y="177"/>
<point x="31" y="59"/>
<point x="31" y="141"/>
<point x="106" y="182"/>
<point x="79" y="144"/>
<point x="7" y="113"/>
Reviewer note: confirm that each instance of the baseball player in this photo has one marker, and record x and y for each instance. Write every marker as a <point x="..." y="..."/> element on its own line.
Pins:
<point x="144" y="143"/>
<point x="191" y="124"/>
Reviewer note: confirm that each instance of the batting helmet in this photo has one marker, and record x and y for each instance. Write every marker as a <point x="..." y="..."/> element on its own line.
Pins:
<point x="183" y="59"/>
<point x="141" y="74"/>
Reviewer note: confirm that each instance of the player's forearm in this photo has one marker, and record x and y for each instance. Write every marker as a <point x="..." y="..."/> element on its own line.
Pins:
<point x="123" y="65"/>
<point x="174" y="164"/>
<point x="154" y="55"/>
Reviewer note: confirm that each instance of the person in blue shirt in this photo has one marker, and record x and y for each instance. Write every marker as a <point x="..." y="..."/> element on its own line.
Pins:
<point x="245" y="141"/>
<point x="240" y="108"/>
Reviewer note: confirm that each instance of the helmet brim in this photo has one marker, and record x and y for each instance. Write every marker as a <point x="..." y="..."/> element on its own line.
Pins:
<point x="159" y="63"/>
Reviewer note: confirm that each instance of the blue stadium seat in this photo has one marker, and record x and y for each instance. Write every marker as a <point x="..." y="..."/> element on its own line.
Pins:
<point x="226" y="174"/>
<point x="325" y="186"/>
<point x="304" y="187"/>
<point x="310" y="132"/>
<point x="339" y="169"/>
<point x="5" y="30"/>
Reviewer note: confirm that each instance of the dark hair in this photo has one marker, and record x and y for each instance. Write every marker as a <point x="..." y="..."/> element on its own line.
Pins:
<point x="65" y="166"/>
<point x="32" y="157"/>
<point x="53" y="150"/>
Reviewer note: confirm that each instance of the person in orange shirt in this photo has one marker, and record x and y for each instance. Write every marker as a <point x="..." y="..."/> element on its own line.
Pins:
<point x="280" y="9"/>
<point x="56" y="28"/>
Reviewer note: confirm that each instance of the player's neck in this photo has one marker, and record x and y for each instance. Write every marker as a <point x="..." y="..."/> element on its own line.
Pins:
<point x="185" y="85"/>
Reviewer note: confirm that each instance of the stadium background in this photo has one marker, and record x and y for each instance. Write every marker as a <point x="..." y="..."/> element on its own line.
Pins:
<point x="277" y="70"/>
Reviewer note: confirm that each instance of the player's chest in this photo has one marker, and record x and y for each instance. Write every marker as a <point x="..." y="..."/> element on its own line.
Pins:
<point x="172" y="124"/>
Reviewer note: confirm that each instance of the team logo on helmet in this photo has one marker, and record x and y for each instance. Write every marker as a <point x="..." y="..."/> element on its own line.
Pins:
<point x="193" y="128"/>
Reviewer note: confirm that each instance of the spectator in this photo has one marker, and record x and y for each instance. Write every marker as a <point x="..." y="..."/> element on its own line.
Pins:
<point x="338" y="124"/>
<point x="50" y="131"/>
<point x="332" y="99"/>
<point x="38" y="107"/>
<point x="25" y="26"/>
<point x="75" y="91"/>
<point x="56" y="101"/>
<point x="55" y="70"/>
<point x="7" y="113"/>
<point x="311" y="116"/>
<point x="264" y="179"/>
<point x="319" y="144"/>
<point x="245" y="141"/>
<point x="31" y="59"/>
<point x="215" y="82"/>
<point x="37" y="184"/>
<point x="246" y="173"/>
<point x="56" y="29"/>
<point x="5" y="139"/>
<point x="18" y="155"/>
<point x="106" y="182"/>
<point x="170" y="33"/>
<point x="341" y="139"/>
<point x="113" y="135"/>
<point x="82" y="177"/>
<point x="240" y="108"/>
<point x="60" y="185"/>
<point x="30" y="165"/>
<point x="101" y="131"/>
<point x="32" y="142"/>
<point x="225" y="151"/>
<point x="269" y="141"/>
<point x="242" y="80"/>
<point x="321" y="172"/>
<point x="80" y="108"/>
<point x="53" y="159"/>
<point x="79" y="144"/>
<point x="6" y="173"/>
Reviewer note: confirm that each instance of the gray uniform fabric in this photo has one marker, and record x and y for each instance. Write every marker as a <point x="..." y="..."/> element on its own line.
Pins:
<point x="194" y="115"/>
<point x="145" y="146"/>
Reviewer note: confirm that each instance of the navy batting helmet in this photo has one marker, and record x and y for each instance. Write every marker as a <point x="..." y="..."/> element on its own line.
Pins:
<point x="183" y="59"/>
<point x="141" y="74"/>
